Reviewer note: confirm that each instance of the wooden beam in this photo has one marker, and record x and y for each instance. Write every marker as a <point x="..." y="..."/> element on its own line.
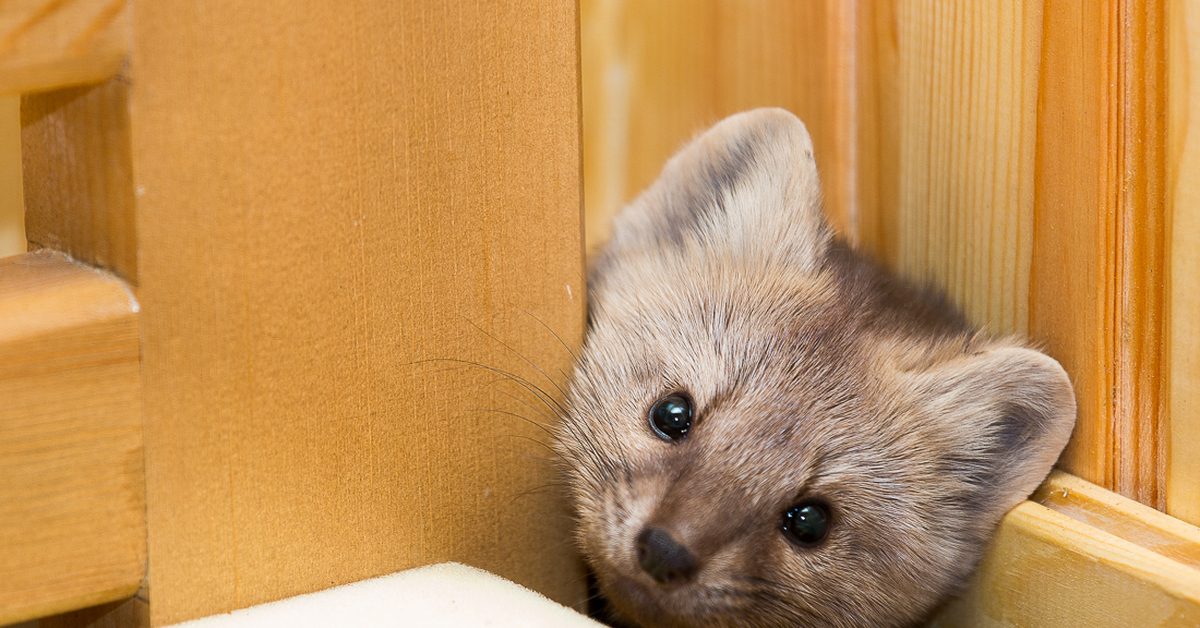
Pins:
<point x="1098" y="278"/>
<point x="77" y="172"/>
<point x="72" y="508"/>
<point x="47" y="44"/>
<point x="1079" y="555"/>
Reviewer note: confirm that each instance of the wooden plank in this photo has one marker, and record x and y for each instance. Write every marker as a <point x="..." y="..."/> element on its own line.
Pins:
<point x="12" y="208"/>
<point x="1183" y="479"/>
<point x="385" y="186"/>
<point x="1097" y="290"/>
<point x="46" y="44"/>
<point x="72" y="509"/>
<point x="957" y="136"/>
<point x="1122" y="517"/>
<point x="1045" y="568"/>
<point x="1013" y="154"/>
<point x="656" y="73"/>
<point x="78" y="175"/>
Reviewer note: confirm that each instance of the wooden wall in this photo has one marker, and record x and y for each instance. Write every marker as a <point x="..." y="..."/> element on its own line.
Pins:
<point x="1013" y="153"/>
<point x="354" y="237"/>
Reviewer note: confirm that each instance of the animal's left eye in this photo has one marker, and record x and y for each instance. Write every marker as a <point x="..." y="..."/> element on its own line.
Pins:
<point x="806" y="523"/>
<point x="671" y="417"/>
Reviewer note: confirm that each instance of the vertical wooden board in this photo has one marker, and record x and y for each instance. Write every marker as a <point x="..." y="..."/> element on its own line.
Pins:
<point x="333" y="199"/>
<point x="657" y="73"/>
<point x="12" y="209"/>
<point x="79" y="192"/>
<point x="1098" y="262"/>
<point x="1074" y="246"/>
<point x="1183" y="479"/>
<point x="72" y="508"/>
<point x="964" y="121"/>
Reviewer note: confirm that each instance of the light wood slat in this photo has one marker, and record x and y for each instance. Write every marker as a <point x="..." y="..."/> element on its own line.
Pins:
<point x="1183" y="479"/>
<point x="962" y="78"/>
<point x="78" y="177"/>
<point x="72" y="509"/>
<point x="46" y="44"/>
<point x="655" y="73"/>
<point x="1045" y="568"/>
<point x="383" y="184"/>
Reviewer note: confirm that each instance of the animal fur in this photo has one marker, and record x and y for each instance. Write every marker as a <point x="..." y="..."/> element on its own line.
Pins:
<point x="814" y="374"/>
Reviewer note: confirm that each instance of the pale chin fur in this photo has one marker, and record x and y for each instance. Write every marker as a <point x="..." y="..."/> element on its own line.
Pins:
<point x="817" y="383"/>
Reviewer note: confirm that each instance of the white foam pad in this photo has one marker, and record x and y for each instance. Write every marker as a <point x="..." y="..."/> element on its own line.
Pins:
<point x="445" y="595"/>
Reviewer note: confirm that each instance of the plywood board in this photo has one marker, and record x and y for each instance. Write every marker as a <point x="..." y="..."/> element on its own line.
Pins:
<point x="46" y="44"/>
<point x="343" y="208"/>
<point x="72" y="509"/>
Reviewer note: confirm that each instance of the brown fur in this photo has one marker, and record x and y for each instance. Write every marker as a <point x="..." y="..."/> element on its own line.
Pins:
<point x="814" y="375"/>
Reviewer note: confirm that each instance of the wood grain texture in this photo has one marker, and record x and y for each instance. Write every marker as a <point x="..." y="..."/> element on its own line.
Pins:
<point x="960" y="120"/>
<point x="1183" y="477"/>
<point x="79" y="194"/>
<point x="1047" y="568"/>
<point x="72" y="509"/>
<point x="1014" y="155"/>
<point x="46" y="44"/>
<point x="656" y="73"/>
<point x="1098" y="277"/>
<point x="383" y="187"/>
<point x="12" y="207"/>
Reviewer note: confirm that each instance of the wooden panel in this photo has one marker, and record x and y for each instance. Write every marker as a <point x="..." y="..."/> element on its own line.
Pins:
<point x="656" y="73"/>
<point x="78" y="181"/>
<point x="46" y="44"/>
<point x="72" y="511"/>
<point x="1013" y="154"/>
<point x="961" y="84"/>
<point x="1098" y="262"/>
<point x="385" y="185"/>
<point x="1046" y="568"/>
<point x="12" y="209"/>
<point x="1183" y="480"/>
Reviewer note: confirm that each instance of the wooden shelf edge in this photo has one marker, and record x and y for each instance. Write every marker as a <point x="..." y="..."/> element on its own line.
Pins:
<point x="1088" y="557"/>
<point x="65" y="604"/>
<point x="72" y="480"/>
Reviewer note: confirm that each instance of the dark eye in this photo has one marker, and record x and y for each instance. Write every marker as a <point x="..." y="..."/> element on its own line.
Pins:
<point x="671" y="417"/>
<point x="806" y="523"/>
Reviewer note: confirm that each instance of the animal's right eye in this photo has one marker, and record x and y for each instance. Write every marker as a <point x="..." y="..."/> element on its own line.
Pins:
<point x="806" y="524"/>
<point x="671" y="417"/>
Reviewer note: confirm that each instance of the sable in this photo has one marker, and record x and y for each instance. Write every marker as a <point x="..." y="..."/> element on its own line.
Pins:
<point x="765" y="428"/>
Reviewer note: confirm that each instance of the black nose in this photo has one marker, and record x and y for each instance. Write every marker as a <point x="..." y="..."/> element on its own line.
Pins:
<point x="663" y="558"/>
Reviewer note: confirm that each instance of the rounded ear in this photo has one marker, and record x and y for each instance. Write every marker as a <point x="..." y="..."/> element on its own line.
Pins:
<point x="747" y="185"/>
<point x="1005" y="414"/>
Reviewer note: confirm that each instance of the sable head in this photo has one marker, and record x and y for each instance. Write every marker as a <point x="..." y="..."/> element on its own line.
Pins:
<point x="766" y="430"/>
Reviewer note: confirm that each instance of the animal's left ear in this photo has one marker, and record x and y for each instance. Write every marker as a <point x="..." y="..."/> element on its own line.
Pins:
<point x="1002" y="418"/>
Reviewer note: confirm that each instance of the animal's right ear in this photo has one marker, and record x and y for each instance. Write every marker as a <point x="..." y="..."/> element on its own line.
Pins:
<point x="746" y="186"/>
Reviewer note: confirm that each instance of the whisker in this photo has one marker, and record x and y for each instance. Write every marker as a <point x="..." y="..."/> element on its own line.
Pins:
<point x="519" y="355"/>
